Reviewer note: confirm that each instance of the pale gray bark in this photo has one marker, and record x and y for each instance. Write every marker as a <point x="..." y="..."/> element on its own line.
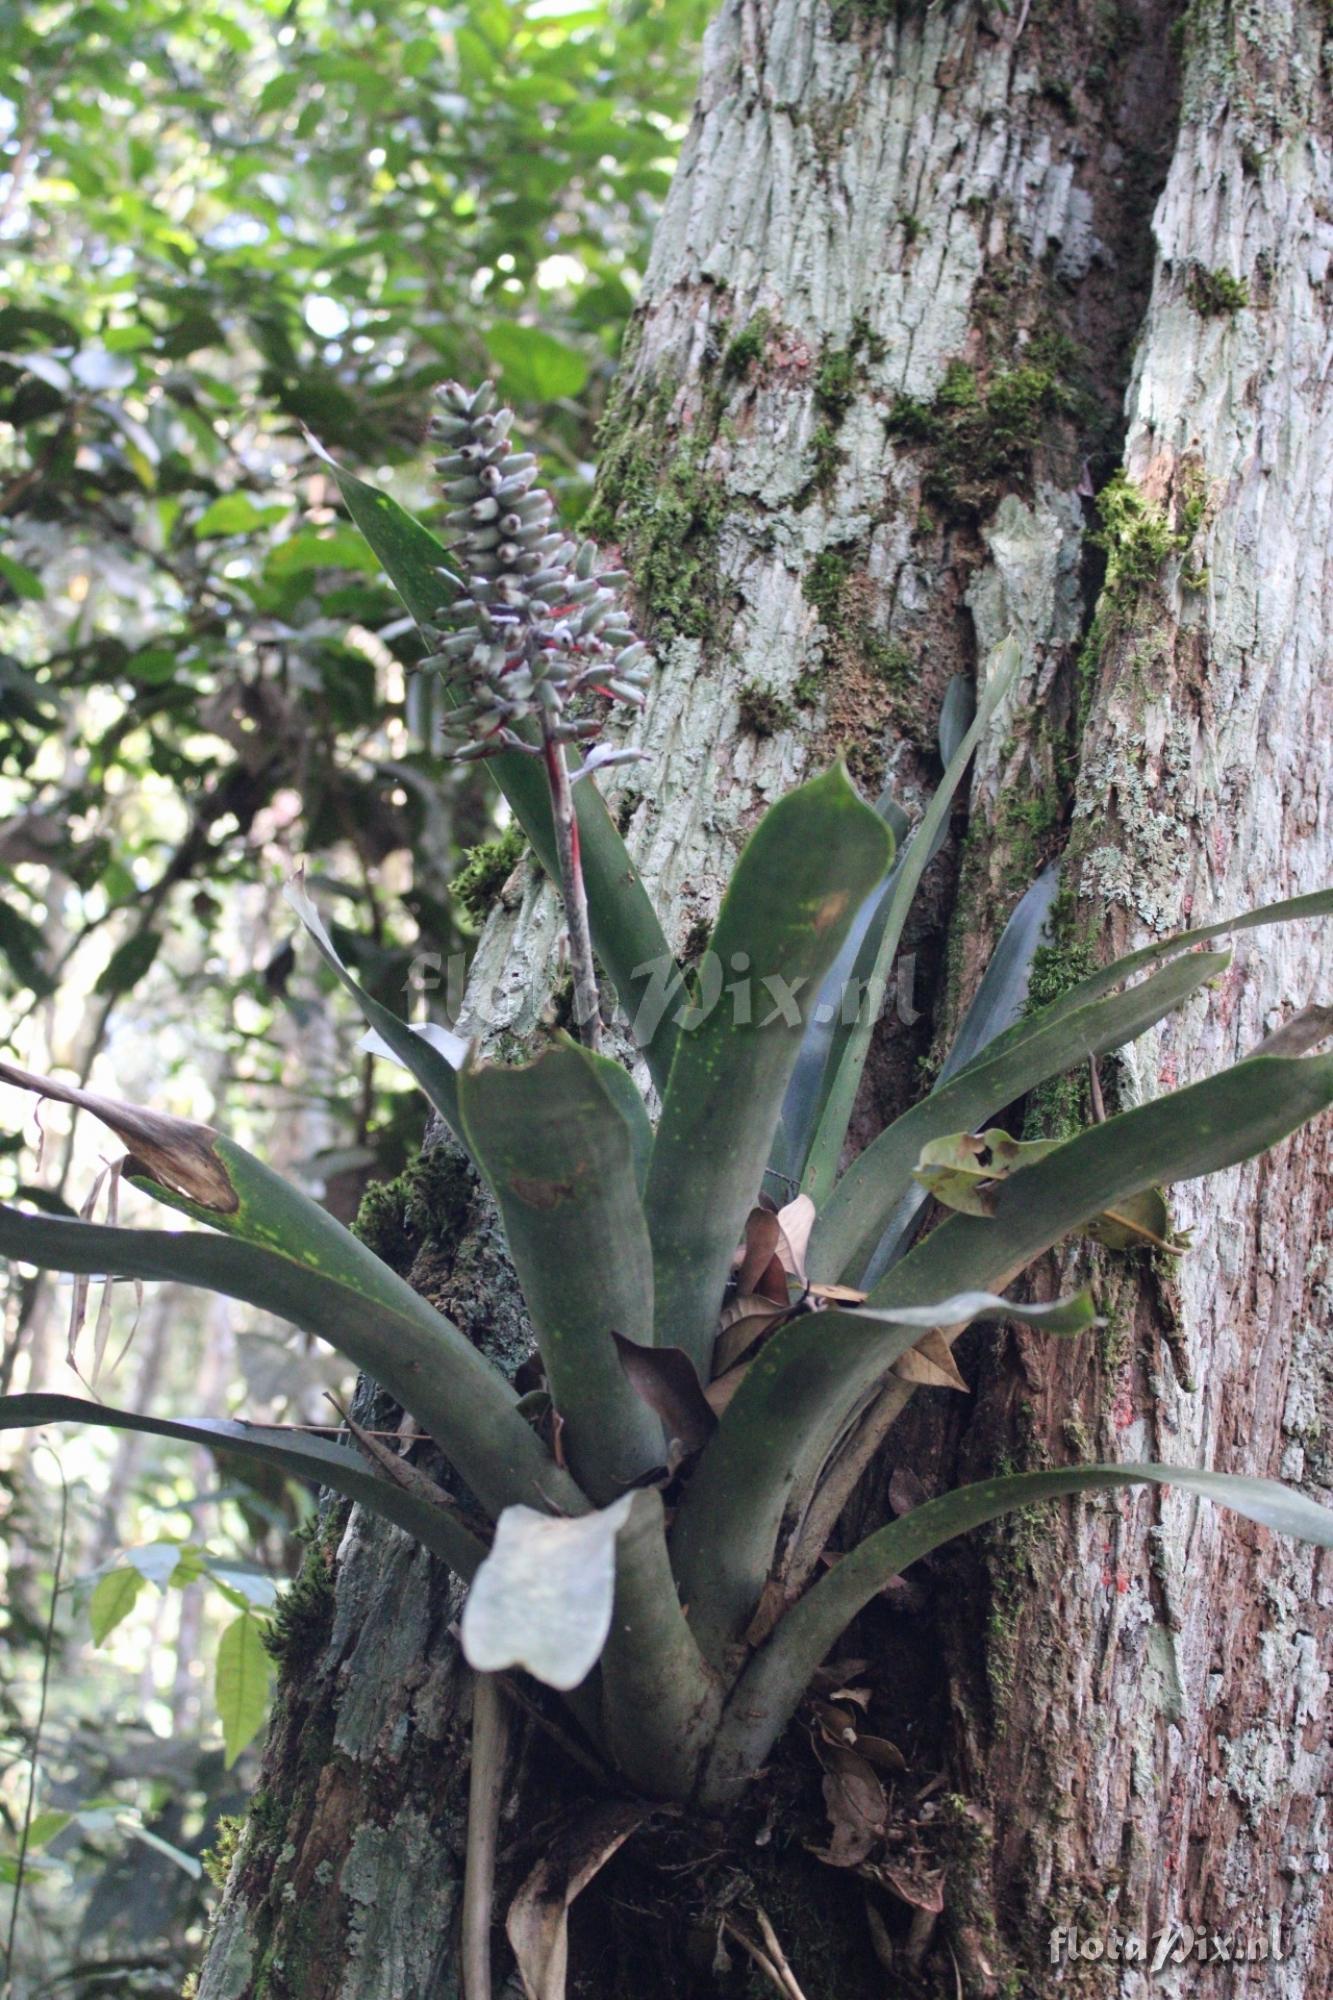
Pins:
<point x="892" y="192"/>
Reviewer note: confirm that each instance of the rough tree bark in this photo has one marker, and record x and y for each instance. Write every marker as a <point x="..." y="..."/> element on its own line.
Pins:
<point x="927" y="276"/>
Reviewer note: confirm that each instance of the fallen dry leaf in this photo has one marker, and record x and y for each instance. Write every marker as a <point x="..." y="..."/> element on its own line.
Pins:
<point x="856" y="1806"/>
<point x="537" y="1925"/>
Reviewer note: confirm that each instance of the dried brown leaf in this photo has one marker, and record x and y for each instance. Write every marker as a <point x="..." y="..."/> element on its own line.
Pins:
<point x="745" y="1321"/>
<point x="666" y="1379"/>
<point x="762" y="1231"/>
<point x="795" y="1222"/>
<point x="931" y="1364"/>
<point x="856" y="1806"/>
<point x="175" y="1151"/>
<point x="537" y="1925"/>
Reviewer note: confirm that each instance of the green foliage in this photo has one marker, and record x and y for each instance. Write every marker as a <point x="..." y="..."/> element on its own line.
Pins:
<point x="220" y="232"/>
<point x="1215" y="294"/>
<point x="1137" y="536"/>
<point x="681" y="1341"/>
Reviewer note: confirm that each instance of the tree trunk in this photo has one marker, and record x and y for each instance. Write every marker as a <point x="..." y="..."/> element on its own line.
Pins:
<point x="882" y="358"/>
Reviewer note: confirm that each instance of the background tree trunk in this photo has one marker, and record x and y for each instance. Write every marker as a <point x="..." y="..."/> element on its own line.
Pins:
<point x="882" y="360"/>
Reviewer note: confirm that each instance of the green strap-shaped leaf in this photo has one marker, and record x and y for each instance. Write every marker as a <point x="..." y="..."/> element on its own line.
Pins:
<point x="625" y="929"/>
<point x="302" y="1454"/>
<point x="660" y="1704"/>
<point x="727" y="1523"/>
<point x="436" y="1074"/>
<point x="871" y="1194"/>
<point x="800" y="881"/>
<point x="1318" y="904"/>
<point x="559" y="1156"/>
<point x="284" y="1253"/>
<point x="812" y="1375"/>
<point x="826" y="1148"/>
<point x="768" y="1692"/>
<point x="828" y="1025"/>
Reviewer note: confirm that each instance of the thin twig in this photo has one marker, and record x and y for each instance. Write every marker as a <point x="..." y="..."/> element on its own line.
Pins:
<point x="48" y="1646"/>
<point x="490" y="1747"/>
<point x="775" y="1951"/>
<point x="565" y="819"/>
<point x="1095" y="1092"/>
<point x="772" y="1962"/>
<point x="400" y="1470"/>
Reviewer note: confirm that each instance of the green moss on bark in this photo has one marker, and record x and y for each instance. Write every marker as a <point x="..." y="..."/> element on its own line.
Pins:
<point x="485" y="870"/>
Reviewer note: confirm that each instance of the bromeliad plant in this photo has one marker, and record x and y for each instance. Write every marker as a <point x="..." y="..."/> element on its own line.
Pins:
<point x="728" y="1326"/>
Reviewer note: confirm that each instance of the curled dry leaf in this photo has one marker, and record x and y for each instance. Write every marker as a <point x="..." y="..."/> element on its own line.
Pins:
<point x="175" y="1151"/>
<point x="537" y="1925"/>
<point x="722" y="1388"/>
<point x="856" y="1806"/>
<point x="931" y="1364"/>
<point x="920" y="1888"/>
<point x="744" y="1322"/>
<point x="878" y="1750"/>
<point x="795" y="1222"/>
<point x="668" y="1382"/>
<point x="762" y="1233"/>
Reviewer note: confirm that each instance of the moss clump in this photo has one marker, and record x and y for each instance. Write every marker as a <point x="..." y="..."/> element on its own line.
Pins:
<point x="431" y="1196"/>
<point x="764" y="713"/>
<point x="218" y="1858"/>
<point x="889" y="661"/>
<point x="912" y="226"/>
<point x="828" y="456"/>
<point x="1215" y="294"/>
<point x="825" y="586"/>
<point x="1061" y="1107"/>
<point x="298" y="1630"/>
<point x="657" y="500"/>
<point x="1138" y="536"/>
<point x="485" y="870"/>
<point x="980" y="438"/>
<point x="747" y="347"/>
<point x="835" y="382"/>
